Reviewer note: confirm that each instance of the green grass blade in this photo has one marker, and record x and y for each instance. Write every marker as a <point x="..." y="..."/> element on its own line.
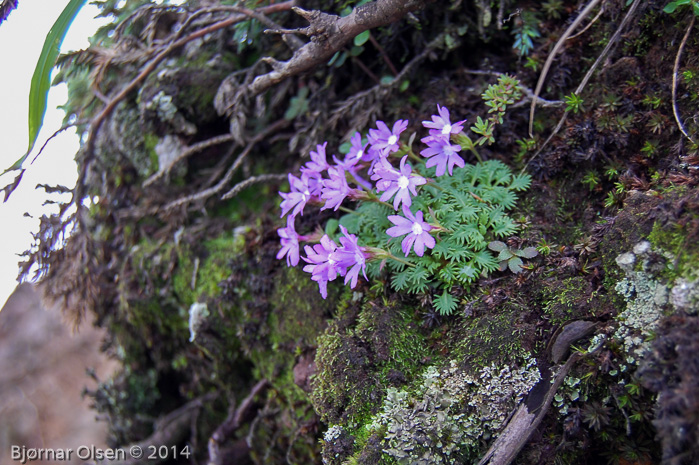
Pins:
<point x="41" y="80"/>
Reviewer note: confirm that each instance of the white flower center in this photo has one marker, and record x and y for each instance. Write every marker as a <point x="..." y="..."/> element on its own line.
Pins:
<point x="359" y="154"/>
<point x="331" y="262"/>
<point x="446" y="129"/>
<point x="392" y="140"/>
<point x="403" y="182"/>
<point x="417" y="229"/>
<point x="448" y="151"/>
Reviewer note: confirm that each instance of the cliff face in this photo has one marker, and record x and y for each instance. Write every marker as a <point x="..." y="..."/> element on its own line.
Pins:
<point x="588" y="339"/>
<point x="43" y="366"/>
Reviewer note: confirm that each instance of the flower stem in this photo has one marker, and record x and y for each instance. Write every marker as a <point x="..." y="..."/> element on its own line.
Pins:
<point x="346" y="210"/>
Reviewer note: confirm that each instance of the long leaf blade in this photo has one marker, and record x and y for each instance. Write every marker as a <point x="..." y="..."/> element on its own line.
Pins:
<point x="41" y="80"/>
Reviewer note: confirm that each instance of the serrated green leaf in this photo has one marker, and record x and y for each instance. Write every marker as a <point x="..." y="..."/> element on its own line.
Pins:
<point x="41" y="79"/>
<point x="400" y="281"/>
<point x="521" y="182"/>
<point x="445" y="304"/>
<point x="486" y="260"/>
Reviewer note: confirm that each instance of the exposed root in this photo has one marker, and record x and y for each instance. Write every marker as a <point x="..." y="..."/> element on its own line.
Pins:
<point x="168" y="432"/>
<point x="232" y="422"/>
<point x="251" y="181"/>
<point x="675" y="70"/>
<point x="97" y="122"/>
<point x="206" y="193"/>
<point x="191" y="150"/>
<point x="328" y="33"/>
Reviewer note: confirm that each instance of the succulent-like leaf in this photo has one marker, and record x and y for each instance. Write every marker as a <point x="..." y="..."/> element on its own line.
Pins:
<point x="497" y="246"/>
<point x="515" y="264"/>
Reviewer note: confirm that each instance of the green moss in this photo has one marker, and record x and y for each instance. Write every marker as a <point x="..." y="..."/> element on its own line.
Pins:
<point x="685" y="253"/>
<point x="213" y="267"/>
<point x="356" y="364"/>
<point x="482" y="341"/>
<point x="569" y="299"/>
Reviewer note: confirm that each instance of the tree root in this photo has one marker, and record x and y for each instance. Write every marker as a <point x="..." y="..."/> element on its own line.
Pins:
<point x="169" y="431"/>
<point x="232" y="422"/>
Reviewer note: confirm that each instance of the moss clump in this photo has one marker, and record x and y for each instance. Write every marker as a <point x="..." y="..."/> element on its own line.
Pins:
<point x="685" y="252"/>
<point x="206" y="269"/>
<point x="492" y="338"/>
<point x="359" y="358"/>
<point x="569" y="299"/>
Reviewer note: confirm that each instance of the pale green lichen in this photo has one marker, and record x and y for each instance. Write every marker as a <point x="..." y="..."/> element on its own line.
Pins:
<point x="645" y="295"/>
<point x="451" y="412"/>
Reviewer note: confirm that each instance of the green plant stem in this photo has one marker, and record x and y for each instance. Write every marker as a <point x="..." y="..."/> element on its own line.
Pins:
<point x="347" y="210"/>
<point x="400" y="260"/>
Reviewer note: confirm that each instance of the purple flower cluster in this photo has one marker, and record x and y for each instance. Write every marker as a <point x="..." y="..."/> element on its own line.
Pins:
<point x="440" y="151"/>
<point x="329" y="185"/>
<point x="326" y="261"/>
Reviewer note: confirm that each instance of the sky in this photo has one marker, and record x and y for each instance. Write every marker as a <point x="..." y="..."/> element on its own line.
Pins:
<point x="21" y="39"/>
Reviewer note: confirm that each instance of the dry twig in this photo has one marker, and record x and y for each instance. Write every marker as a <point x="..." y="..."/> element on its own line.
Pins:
<point x="206" y="193"/>
<point x="675" y="70"/>
<point x="328" y="33"/>
<point x="544" y="72"/>
<point x="97" y="122"/>
<point x="584" y="81"/>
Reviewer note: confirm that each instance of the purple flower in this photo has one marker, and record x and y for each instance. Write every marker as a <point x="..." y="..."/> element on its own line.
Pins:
<point x="441" y="127"/>
<point x="297" y="198"/>
<point x="416" y="229"/>
<point x="290" y="243"/>
<point x="356" y="154"/>
<point x="321" y="265"/>
<point x="318" y="162"/>
<point x="442" y="153"/>
<point x="401" y="183"/>
<point x="350" y="257"/>
<point x="335" y="189"/>
<point x="385" y="141"/>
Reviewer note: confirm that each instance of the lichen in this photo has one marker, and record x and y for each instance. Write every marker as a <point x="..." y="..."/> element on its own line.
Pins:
<point x="446" y="418"/>
<point x="646" y="299"/>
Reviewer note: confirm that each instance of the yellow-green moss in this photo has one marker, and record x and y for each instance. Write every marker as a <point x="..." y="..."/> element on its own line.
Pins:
<point x="214" y="267"/>
<point x="685" y="253"/>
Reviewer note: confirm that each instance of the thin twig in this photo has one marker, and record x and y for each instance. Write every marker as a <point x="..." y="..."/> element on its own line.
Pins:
<point x="231" y="171"/>
<point x="589" y="25"/>
<point x="587" y="77"/>
<point x="544" y="72"/>
<point x="198" y="147"/>
<point x="58" y="131"/>
<point x="250" y="181"/>
<point x="232" y="422"/>
<point x="383" y="54"/>
<point x="675" y="70"/>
